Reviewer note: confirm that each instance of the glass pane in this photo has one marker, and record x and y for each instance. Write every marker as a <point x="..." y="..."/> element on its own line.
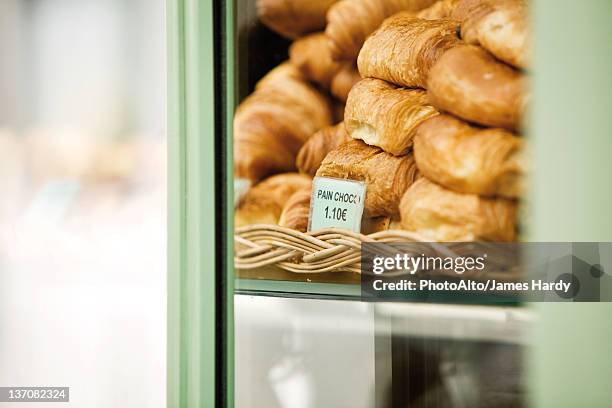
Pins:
<point x="406" y="130"/>
<point x="314" y="352"/>
<point x="82" y="213"/>
<point x="304" y="337"/>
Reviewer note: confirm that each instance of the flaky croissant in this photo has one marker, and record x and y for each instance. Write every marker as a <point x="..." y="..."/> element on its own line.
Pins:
<point x="462" y="79"/>
<point x="312" y="56"/>
<point x="440" y="10"/>
<point x="296" y="211"/>
<point x="383" y="115"/>
<point x="346" y="77"/>
<point x="263" y="203"/>
<point x="443" y="215"/>
<point x="271" y="125"/>
<point x="467" y="159"/>
<point x="293" y="18"/>
<point x="386" y="176"/>
<point x="316" y="148"/>
<point x="349" y="22"/>
<point x="500" y="26"/>
<point x="404" y="49"/>
<point x="468" y="82"/>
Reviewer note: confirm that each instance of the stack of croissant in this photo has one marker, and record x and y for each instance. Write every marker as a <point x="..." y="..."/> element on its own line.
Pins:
<point x="420" y="99"/>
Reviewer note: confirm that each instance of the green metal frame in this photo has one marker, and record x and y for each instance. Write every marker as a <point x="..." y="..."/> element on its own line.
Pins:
<point x="194" y="301"/>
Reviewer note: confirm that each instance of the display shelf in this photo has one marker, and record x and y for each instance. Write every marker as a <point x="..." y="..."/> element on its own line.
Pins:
<point x="272" y="281"/>
<point x="294" y="289"/>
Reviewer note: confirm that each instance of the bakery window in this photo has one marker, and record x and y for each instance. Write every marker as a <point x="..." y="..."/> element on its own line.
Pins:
<point x="415" y="99"/>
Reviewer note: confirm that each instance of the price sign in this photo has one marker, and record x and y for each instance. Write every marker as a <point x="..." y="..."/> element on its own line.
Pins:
<point x="336" y="203"/>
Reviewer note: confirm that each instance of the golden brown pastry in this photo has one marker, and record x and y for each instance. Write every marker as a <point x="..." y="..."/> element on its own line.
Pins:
<point x="470" y="83"/>
<point x="500" y="26"/>
<point x="312" y="56"/>
<point x="383" y="115"/>
<point x="374" y="224"/>
<point x="386" y="176"/>
<point x="346" y="77"/>
<point x="443" y="215"/>
<point x="316" y="148"/>
<point x="467" y="159"/>
<point x="271" y="125"/>
<point x="404" y="49"/>
<point x="293" y="18"/>
<point x="349" y="22"/>
<point x="440" y="10"/>
<point x="296" y="211"/>
<point x="263" y="203"/>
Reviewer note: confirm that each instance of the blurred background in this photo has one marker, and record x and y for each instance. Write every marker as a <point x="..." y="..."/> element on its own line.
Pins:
<point x="82" y="199"/>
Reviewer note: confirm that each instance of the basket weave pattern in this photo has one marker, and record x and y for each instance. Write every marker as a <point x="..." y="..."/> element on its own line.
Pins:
<point x="325" y="250"/>
<point x="329" y="249"/>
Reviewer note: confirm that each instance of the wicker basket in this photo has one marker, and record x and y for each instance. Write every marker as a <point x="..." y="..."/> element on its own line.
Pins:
<point x="331" y="250"/>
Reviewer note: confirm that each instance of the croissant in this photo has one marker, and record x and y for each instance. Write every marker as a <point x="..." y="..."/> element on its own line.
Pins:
<point x="343" y="81"/>
<point x="312" y="56"/>
<point x="271" y="125"/>
<point x="316" y="148"/>
<point x="293" y="18"/>
<point x="404" y="49"/>
<point x="440" y="10"/>
<point x="386" y="176"/>
<point x="263" y="203"/>
<point x="296" y="211"/>
<point x="468" y="82"/>
<point x="500" y="26"/>
<point x="442" y="215"/>
<point x="375" y="224"/>
<point x="349" y="22"/>
<point x="384" y="115"/>
<point x="467" y="159"/>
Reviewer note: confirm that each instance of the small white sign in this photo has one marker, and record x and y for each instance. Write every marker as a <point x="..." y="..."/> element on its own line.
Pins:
<point x="336" y="203"/>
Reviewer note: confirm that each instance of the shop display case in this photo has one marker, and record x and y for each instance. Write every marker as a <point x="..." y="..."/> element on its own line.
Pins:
<point x="270" y="336"/>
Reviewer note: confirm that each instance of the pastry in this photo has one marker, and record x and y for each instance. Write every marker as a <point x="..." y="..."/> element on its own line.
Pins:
<point x="297" y="210"/>
<point x="440" y="10"/>
<point x="439" y="214"/>
<point x="470" y="83"/>
<point x="312" y="56"/>
<point x="293" y="18"/>
<point x="383" y="115"/>
<point x="316" y="148"/>
<point x="271" y="124"/>
<point x="404" y="49"/>
<point x="346" y="77"/>
<point x="374" y="224"/>
<point x="349" y="22"/>
<point x="468" y="159"/>
<point x="500" y="26"/>
<point x="263" y="203"/>
<point x="386" y="176"/>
